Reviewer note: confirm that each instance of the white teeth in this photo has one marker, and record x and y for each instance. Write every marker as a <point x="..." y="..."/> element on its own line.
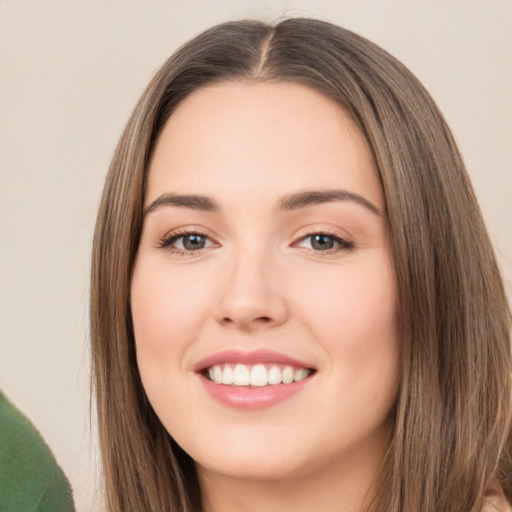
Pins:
<point x="258" y="375"/>
<point x="274" y="375"/>
<point x="227" y="375"/>
<point x="241" y="377"/>
<point x="287" y="377"/>
<point x="217" y="373"/>
<point x="300" y="374"/>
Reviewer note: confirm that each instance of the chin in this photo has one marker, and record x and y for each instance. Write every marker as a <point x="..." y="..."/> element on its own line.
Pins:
<point x="250" y="458"/>
<point x="265" y="469"/>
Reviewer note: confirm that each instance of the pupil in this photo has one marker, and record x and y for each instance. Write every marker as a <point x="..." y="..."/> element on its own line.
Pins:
<point x="192" y="242"/>
<point x="322" y="242"/>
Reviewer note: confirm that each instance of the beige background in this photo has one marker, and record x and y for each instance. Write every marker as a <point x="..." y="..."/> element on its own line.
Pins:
<point x="70" y="73"/>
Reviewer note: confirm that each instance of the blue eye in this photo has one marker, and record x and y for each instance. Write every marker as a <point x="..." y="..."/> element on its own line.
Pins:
<point x="194" y="242"/>
<point x="186" y="242"/>
<point x="324" y="242"/>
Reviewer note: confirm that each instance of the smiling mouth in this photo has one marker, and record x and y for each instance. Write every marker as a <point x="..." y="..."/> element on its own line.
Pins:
<point x="257" y="375"/>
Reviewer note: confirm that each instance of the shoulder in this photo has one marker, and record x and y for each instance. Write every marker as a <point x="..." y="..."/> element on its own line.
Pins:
<point x="495" y="501"/>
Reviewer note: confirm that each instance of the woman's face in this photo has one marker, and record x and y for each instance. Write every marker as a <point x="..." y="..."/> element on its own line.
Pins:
<point x="263" y="294"/>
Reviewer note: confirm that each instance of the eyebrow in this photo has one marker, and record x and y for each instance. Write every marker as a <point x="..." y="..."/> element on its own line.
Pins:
<point x="312" y="197"/>
<point x="194" y="202"/>
<point x="287" y="203"/>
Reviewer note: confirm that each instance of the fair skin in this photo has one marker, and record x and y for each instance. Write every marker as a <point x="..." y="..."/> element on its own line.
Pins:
<point x="257" y="272"/>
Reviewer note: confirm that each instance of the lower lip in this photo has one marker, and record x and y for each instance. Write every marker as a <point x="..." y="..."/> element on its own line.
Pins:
<point x="252" y="398"/>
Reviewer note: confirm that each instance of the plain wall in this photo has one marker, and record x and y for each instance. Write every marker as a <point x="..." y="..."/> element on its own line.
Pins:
<point x="70" y="73"/>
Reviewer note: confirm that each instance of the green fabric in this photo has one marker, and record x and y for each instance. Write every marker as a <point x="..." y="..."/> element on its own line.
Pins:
<point x="30" y="478"/>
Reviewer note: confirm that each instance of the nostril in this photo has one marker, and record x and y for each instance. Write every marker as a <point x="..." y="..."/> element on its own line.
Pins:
<point x="261" y="319"/>
<point x="246" y="323"/>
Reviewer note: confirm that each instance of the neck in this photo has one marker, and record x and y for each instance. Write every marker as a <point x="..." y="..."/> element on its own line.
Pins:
<point x="340" y="488"/>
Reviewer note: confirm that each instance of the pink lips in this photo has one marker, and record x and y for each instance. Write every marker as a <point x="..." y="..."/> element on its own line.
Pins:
<point x="250" y="398"/>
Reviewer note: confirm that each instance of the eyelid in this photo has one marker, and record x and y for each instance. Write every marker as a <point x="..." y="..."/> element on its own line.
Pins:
<point x="166" y="241"/>
<point x="345" y="242"/>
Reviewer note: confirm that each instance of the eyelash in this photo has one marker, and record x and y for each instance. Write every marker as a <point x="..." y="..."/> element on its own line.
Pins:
<point x="168" y="241"/>
<point x="342" y="244"/>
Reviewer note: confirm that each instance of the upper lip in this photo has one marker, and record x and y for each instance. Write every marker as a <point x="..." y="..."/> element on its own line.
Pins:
<point x="248" y="357"/>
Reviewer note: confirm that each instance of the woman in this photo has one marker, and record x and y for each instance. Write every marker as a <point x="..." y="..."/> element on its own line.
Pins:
<point x="294" y="301"/>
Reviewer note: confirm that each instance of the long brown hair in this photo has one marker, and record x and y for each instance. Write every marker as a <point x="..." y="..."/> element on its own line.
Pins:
<point x="452" y="416"/>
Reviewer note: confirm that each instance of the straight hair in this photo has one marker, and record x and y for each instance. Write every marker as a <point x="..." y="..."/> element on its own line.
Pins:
<point x="451" y="443"/>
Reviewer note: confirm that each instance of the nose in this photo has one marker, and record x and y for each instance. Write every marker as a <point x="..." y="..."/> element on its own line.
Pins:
<point x="252" y="297"/>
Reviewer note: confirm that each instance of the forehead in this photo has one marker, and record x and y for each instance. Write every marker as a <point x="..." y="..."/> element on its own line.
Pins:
<point x="278" y="133"/>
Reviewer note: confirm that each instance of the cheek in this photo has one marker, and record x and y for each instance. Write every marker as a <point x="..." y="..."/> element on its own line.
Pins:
<point x="165" y="312"/>
<point x="353" y="316"/>
<point x="166" y="309"/>
<point x="352" y="303"/>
